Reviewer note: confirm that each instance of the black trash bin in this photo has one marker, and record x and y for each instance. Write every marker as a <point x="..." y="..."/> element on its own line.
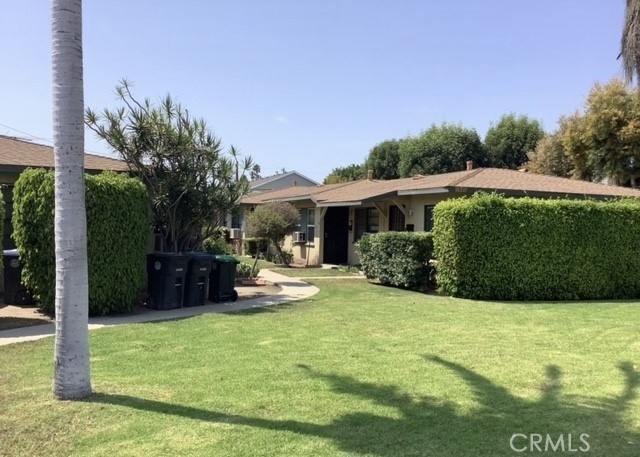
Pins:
<point x="166" y="273"/>
<point x="222" y="281"/>
<point x="197" y="282"/>
<point x="15" y="293"/>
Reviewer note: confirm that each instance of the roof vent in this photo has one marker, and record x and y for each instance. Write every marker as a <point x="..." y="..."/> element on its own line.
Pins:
<point x="469" y="165"/>
<point x="370" y="175"/>
<point x="295" y="183"/>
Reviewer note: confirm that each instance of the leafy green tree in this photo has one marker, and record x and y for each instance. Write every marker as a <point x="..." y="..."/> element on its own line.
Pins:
<point x="603" y="142"/>
<point x="192" y="183"/>
<point x="384" y="159"/>
<point x="612" y="132"/>
<point x="440" y="149"/>
<point x="351" y="172"/>
<point x="508" y="142"/>
<point x="272" y="222"/>
<point x="549" y="157"/>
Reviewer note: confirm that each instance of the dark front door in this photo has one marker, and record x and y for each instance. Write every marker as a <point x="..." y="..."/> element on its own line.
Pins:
<point x="336" y="235"/>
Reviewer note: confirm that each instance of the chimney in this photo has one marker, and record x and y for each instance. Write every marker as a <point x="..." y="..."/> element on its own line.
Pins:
<point x="469" y="165"/>
<point x="370" y="175"/>
<point x="295" y="183"/>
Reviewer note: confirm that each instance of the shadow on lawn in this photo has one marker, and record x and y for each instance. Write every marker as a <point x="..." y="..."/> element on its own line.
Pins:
<point x="431" y="426"/>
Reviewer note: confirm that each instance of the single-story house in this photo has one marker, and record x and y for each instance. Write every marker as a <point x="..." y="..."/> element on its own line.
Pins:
<point x="334" y="217"/>
<point x="17" y="154"/>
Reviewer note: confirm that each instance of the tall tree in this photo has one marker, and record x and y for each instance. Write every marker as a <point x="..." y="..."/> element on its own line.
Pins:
<point x="383" y="159"/>
<point x="72" y="377"/>
<point x="612" y="130"/>
<point x="440" y="149"/>
<point x="192" y="183"/>
<point x="351" y="172"/>
<point x="508" y="142"/>
<point x="630" y="42"/>
<point x="549" y="157"/>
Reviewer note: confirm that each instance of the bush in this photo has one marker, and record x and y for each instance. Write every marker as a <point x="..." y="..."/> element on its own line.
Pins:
<point x="243" y="270"/>
<point x="251" y="246"/>
<point x="117" y="238"/>
<point x="490" y="247"/>
<point x="397" y="258"/>
<point x="216" y="245"/>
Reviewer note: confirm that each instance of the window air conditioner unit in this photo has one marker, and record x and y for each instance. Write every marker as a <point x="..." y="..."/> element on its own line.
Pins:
<point x="235" y="233"/>
<point x="299" y="237"/>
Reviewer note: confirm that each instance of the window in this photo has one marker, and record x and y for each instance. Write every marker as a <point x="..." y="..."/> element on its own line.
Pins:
<point x="236" y="220"/>
<point x="311" y="224"/>
<point x="396" y="219"/>
<point x="428" y="217"/>
<point x="308" y="223"/>
<point x="366" y="222"/>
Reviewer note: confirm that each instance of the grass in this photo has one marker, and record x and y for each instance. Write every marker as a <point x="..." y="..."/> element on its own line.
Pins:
<point x="312" y="272"/>
<point x="358" y="370"/>
<point x="261" y="263"/>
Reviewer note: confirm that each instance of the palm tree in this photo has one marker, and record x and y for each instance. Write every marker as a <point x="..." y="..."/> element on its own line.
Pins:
<point x="72" y="377"/>
<point x="630" y="43"/>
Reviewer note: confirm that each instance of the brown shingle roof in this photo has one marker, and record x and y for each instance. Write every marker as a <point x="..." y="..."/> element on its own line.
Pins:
<point x="21" y="153"/>
<point x="488" y="179"/>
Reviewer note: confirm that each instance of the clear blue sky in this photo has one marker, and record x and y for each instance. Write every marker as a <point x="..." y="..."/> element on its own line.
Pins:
<point x="311" y="85"/>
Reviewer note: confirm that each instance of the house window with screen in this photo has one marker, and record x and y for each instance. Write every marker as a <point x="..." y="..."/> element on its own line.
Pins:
<point x="308" y="223"/>
<point x="396" y="219"/>
<point x="428" y="217"/>
<point x="311" y="224"/>
<point x="236" y="220"/>
<point x="366" y="222"/>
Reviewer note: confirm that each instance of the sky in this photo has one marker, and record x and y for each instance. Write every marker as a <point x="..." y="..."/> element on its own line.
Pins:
<point x="312" y="85"/>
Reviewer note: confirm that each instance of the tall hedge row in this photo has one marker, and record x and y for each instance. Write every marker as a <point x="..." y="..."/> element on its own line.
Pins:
<point x="397" y="258"/>
<point x="490" y="247"/>
<point x="117" y="238"/>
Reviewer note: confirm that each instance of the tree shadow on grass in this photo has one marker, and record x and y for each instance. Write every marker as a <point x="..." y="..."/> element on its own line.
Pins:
<point x="426" y="426"/>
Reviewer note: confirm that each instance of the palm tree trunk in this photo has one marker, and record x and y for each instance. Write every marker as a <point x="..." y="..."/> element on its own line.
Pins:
<point x="72" y="377"/>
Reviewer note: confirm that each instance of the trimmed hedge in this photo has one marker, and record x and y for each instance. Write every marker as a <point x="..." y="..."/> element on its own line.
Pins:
<point x="397" y="258"/>
<point x="496" y="248"/>
<point x="117" y="238"/>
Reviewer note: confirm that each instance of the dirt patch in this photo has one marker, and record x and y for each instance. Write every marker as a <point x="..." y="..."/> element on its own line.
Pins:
<point x="12" y="316"/>
<point x="247" y="292"/>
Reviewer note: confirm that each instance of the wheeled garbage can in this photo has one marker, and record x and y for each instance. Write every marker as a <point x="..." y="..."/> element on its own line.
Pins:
<point x="197" y="282"/>
<point x="222" y="280"/>
<point x="15" y="293"/>
<point x="167" y="272"/>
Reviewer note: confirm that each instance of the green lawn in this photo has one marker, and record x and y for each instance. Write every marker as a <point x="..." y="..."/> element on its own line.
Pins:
<point x="358" y="370"/>
<point x="312" y="272"/>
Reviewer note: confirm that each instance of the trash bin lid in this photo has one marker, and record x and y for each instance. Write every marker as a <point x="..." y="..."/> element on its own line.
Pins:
<point x="226" y="259"/>
<point x="10" y="252"/>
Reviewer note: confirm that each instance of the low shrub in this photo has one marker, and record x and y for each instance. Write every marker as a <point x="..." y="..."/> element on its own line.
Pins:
<point x="397" y="258"/>
<point x="243" y="270"/>
<point x="217" y="245"/>
<point x="491" y="247"/>
<point x="117" y="238"/>
<point x="251" y="246"/>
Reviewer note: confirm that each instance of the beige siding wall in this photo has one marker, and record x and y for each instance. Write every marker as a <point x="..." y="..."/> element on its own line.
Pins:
<point x="311" y="253"/>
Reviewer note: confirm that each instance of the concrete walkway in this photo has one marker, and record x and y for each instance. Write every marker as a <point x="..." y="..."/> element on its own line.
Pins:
<point x="292" y="290"/>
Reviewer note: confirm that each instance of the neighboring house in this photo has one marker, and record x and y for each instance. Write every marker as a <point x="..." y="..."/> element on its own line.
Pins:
<point x="270" y="183"/>
<point x="281" y="181"/>
<point x="16" y="155"/>
<point x="335" y="216"/>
